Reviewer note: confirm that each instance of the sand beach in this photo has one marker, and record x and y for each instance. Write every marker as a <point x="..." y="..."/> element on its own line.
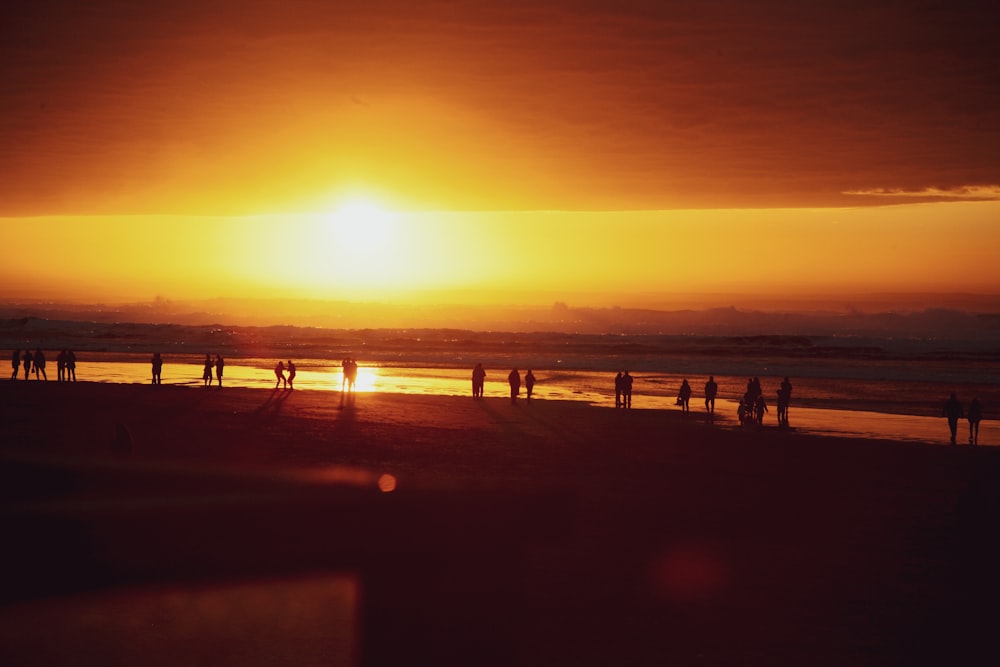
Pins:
<point x="245" y="526"/>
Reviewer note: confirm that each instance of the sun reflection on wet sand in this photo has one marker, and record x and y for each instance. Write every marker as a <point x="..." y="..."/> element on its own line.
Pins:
<point x="656" y="392"/>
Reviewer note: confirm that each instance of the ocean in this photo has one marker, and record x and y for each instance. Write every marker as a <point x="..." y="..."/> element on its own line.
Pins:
<point x="867" y="386"/>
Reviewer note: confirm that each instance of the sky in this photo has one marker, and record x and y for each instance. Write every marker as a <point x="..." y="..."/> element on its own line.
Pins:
<point x="386" y="149"/>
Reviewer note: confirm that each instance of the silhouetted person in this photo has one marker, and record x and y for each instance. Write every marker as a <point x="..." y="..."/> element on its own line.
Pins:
<point x="514" y="380"/>
<point x="279" y="373"/>
<point x="975" y="416"/>
<point x="352" y="374"/>
<point x="206" y="373"/>
<point x="71" y="366"/>
<point x="291" y="374"/>
<point x="618" y="390"/>
<point x="478" y="381"/>
<point x="28" y="358"/>
<point x="627" y="390"/>
<point x="786" y="388"/>
<point x="759" y="409"/>
<point x="220" y="365"/>
<point x="15" y="362"/>
<point x="685" y="396"/>
<point x="529" y="384"/>
<point x="953" y="411"/>
<point x="40" y="364"/>
<point x="742" y="412"/>
<point x="711" y="390"/>
<point x="61" y="366"/>
<point x="157" y="367"/>
<point x="350" y="367"/>
<point x="782" y="408"/>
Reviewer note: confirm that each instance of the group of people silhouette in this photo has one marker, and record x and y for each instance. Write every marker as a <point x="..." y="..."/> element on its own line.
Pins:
<point x="753" y="405"/>
<point x="350" y="367"/>
<point x="35" y="362"/>
<point x="623" y="390"/>
<point x="954" y="411"/>
<point x="218" y="366"/>
<point x="513" y="381"/>
<point x="287" y="382"/>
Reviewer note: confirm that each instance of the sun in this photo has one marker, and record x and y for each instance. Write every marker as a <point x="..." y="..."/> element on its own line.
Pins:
<point x="361" y="228"/>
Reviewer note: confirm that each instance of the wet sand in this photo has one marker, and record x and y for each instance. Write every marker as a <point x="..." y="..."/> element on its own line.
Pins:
<point x="243" y="526"/>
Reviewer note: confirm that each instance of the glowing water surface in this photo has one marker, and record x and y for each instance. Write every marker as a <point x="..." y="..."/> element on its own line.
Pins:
<point x="652" y="391"/>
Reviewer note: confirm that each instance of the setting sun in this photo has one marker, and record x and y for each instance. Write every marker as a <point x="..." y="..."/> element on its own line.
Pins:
<point x="361" y="227"/>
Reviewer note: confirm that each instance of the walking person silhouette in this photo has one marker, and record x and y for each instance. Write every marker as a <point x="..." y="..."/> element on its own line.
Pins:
<point x="685" y="396"/>
<point x="291" y="374"/>
<point x="529" y="383"/>
<point x="206" y="374"/>
<point x="220" y="365"/>
<point x="975" y="416"/>
<point x="953" y="411"/>
<point x="28" y="358"/>
<point x="711" y="390"/>
<point x="279" y="373"/>
<point x="15" y="362"/>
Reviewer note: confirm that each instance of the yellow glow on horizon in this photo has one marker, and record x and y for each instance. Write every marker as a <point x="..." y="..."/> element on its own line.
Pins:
<point x="361" y="250"/>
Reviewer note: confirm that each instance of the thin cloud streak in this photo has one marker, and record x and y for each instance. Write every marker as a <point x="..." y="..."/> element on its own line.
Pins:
<point x="967" y="192"/>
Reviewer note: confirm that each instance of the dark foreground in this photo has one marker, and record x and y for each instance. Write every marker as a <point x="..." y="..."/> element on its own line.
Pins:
<point x="182" y="526"/>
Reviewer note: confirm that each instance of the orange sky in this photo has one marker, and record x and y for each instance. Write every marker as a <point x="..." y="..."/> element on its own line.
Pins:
<point x="170" y="148"/>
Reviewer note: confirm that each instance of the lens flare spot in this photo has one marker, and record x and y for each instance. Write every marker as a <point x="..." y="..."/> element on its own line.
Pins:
<point x="689" y="572"/>
<point x="387" y="483"/>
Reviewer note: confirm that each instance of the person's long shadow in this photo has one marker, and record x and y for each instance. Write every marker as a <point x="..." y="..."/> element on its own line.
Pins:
<point x="272" y="405"/>
<point x="347" y="401"/>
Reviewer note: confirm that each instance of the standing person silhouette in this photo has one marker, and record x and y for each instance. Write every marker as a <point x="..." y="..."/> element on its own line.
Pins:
<point x="291" y="374"/>
<point x="61" y="366"/>
<point x="685" y="395"/>
<point x="514" y="379"/>
<point x="206" y="374"/>
<point x="618" y="390"/>
<point x="529" y="383"/>
<point x="759" y="409"/>
<point x="40" y="364"/>
<point x="782" y="407"/>
<point x="279" y="373"/>
<point x="28" y="358"/>
<point x="70" y="366"/>
<point x="352" y="374"/>
<point x="975" y="416"/>
<point x="220" y="365"/>
<point x="711" y="390"/>
<point x="627" y="381"/>
<point x="478" y="381"/>
<point x="15" y="362"/>
<point x="953" y="411"/>
<point x="786" y="388"/>
<point x="157" y="367"/>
